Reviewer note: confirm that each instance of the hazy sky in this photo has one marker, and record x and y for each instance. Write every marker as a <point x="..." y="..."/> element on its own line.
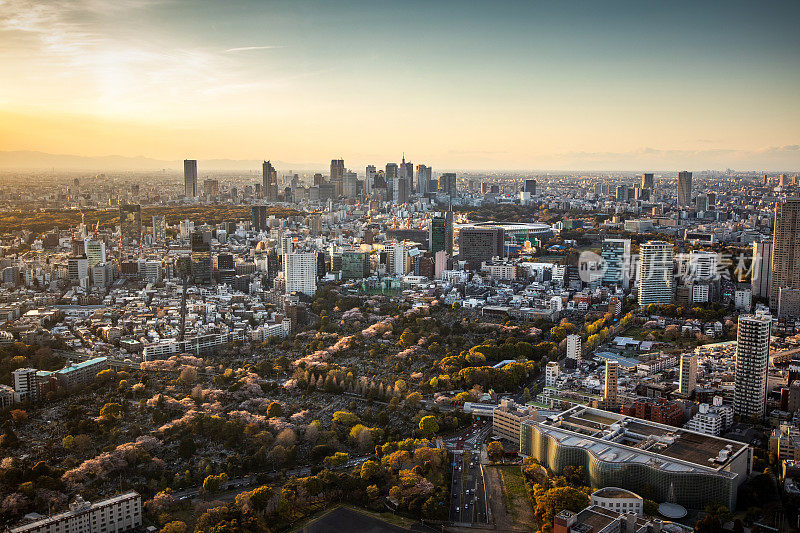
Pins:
<point x="618" y="85"/>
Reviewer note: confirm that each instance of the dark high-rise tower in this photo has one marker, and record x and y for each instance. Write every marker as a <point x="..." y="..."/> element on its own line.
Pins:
<point x="785" y="249"/>
<point x="269" y="181"/>
<point x="441" y="233"/>
<point x="337" y="176"/>
<point x="648" y="181"/>
<point x="684" y="188"/>
<point x="190" y="178"/>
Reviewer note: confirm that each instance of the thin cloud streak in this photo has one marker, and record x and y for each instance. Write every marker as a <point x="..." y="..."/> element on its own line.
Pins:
<point x="246" y="48"/>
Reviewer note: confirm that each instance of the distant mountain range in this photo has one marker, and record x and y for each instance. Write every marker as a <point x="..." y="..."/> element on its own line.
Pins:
<point x="32" y="160"/>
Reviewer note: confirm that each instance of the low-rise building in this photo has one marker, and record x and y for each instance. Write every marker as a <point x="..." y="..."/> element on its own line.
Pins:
<point x="112" y="515"/>
<point x="618" y="500"/>
<point x="507" y="417"/>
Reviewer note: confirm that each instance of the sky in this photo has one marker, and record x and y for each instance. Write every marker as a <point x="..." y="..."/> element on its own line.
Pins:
<point x="455" y="84"/>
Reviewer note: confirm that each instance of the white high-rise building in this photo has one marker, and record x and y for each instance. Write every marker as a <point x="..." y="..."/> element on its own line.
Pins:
<point x="616" y="255"/>
<point x="752" y="358"/>
<point x="655" y="273"/>
<point x="574" y="347"/>
<point x="396" y="259"/>
<point x="300" y="272"/>
<point x="688" y="374"/>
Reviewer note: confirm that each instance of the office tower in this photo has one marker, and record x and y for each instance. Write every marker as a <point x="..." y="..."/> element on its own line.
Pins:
<point x="369" y="178"/>
<point x="447" y="183"/>
<point x="95" y="252"/>
<point x="684" y="188"/>
<point x="622" y="193"/>
<point x="396" y="258"/>
<point x="479" y="244"/>
<point x="687" y="380"/>
<point x="269" y="181"/>
<point x="401" y="192"/>
<point x="152" y="271"/>
<point x="159" y="229"/>
<point x="77" y="268"/>
<point x="441" y="233"/>
<point x="337" y="176"/>
<point x="300" y="271"/>
<point x="530" y="187"/>
<point x="211" y="187"/>
<point x="761" y="277"/>
<point x="190" y="178"/>
<point x="423" y="179"/>
<point x="752" y="356"/>
<point x="785" y="249"/>
<point x="616" y="255"/>
<point x="258" y="217"/>
<point x="350" y="184"/>
<point x="391" y="181"/>
<point x="130" y="222"/>
<point x="611" y="384"/>
<point x="701" y="203"/>
<point x="201" y="258"/>
<point x="355" y="264"/>
<point x="648" y="182"/>
<point x="406" y="172"/>
<point x="574" y="347"/>
<point x="655" y="273"/>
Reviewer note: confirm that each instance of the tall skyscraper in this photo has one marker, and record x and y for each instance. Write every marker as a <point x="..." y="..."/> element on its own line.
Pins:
<point x="752" y="358"/>
<point x="684" y="188"/>
<point x="350" y="184"/>
<point x="616" y="255"/>
<point x="337" y="176"/>
<point x="648" y="181"/>
<point x="300" y="270"/>
<point x="611" y="385"/>
<point x="159" y="229"/>
<point x="785" y="249"/>
<point x="655" y="273"/>
<point x="441" y="233"/>
<point x="447" y="183"/>
<point x="530" y="187"/>
<point x="423" y="179"/>
<point x="687" y="380"/>
<point x="369" y="178"/>
<point x="130" y="222"/>
<point x="269" y="181"/>
<point x="391" y="181"/>
<point x="406" y="172"/>
<point x="190" y="178"/>
<point x="761" y="278"/>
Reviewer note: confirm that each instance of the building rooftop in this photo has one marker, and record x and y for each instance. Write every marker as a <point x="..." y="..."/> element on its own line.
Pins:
<point x="619" y="438"/>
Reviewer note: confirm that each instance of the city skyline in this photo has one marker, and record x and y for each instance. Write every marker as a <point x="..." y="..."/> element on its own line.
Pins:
<point x="628" y="87"/>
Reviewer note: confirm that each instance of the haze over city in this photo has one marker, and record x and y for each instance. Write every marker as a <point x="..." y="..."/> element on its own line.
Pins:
<point x="399" y="267"/>
<point x="500" y="85"/>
